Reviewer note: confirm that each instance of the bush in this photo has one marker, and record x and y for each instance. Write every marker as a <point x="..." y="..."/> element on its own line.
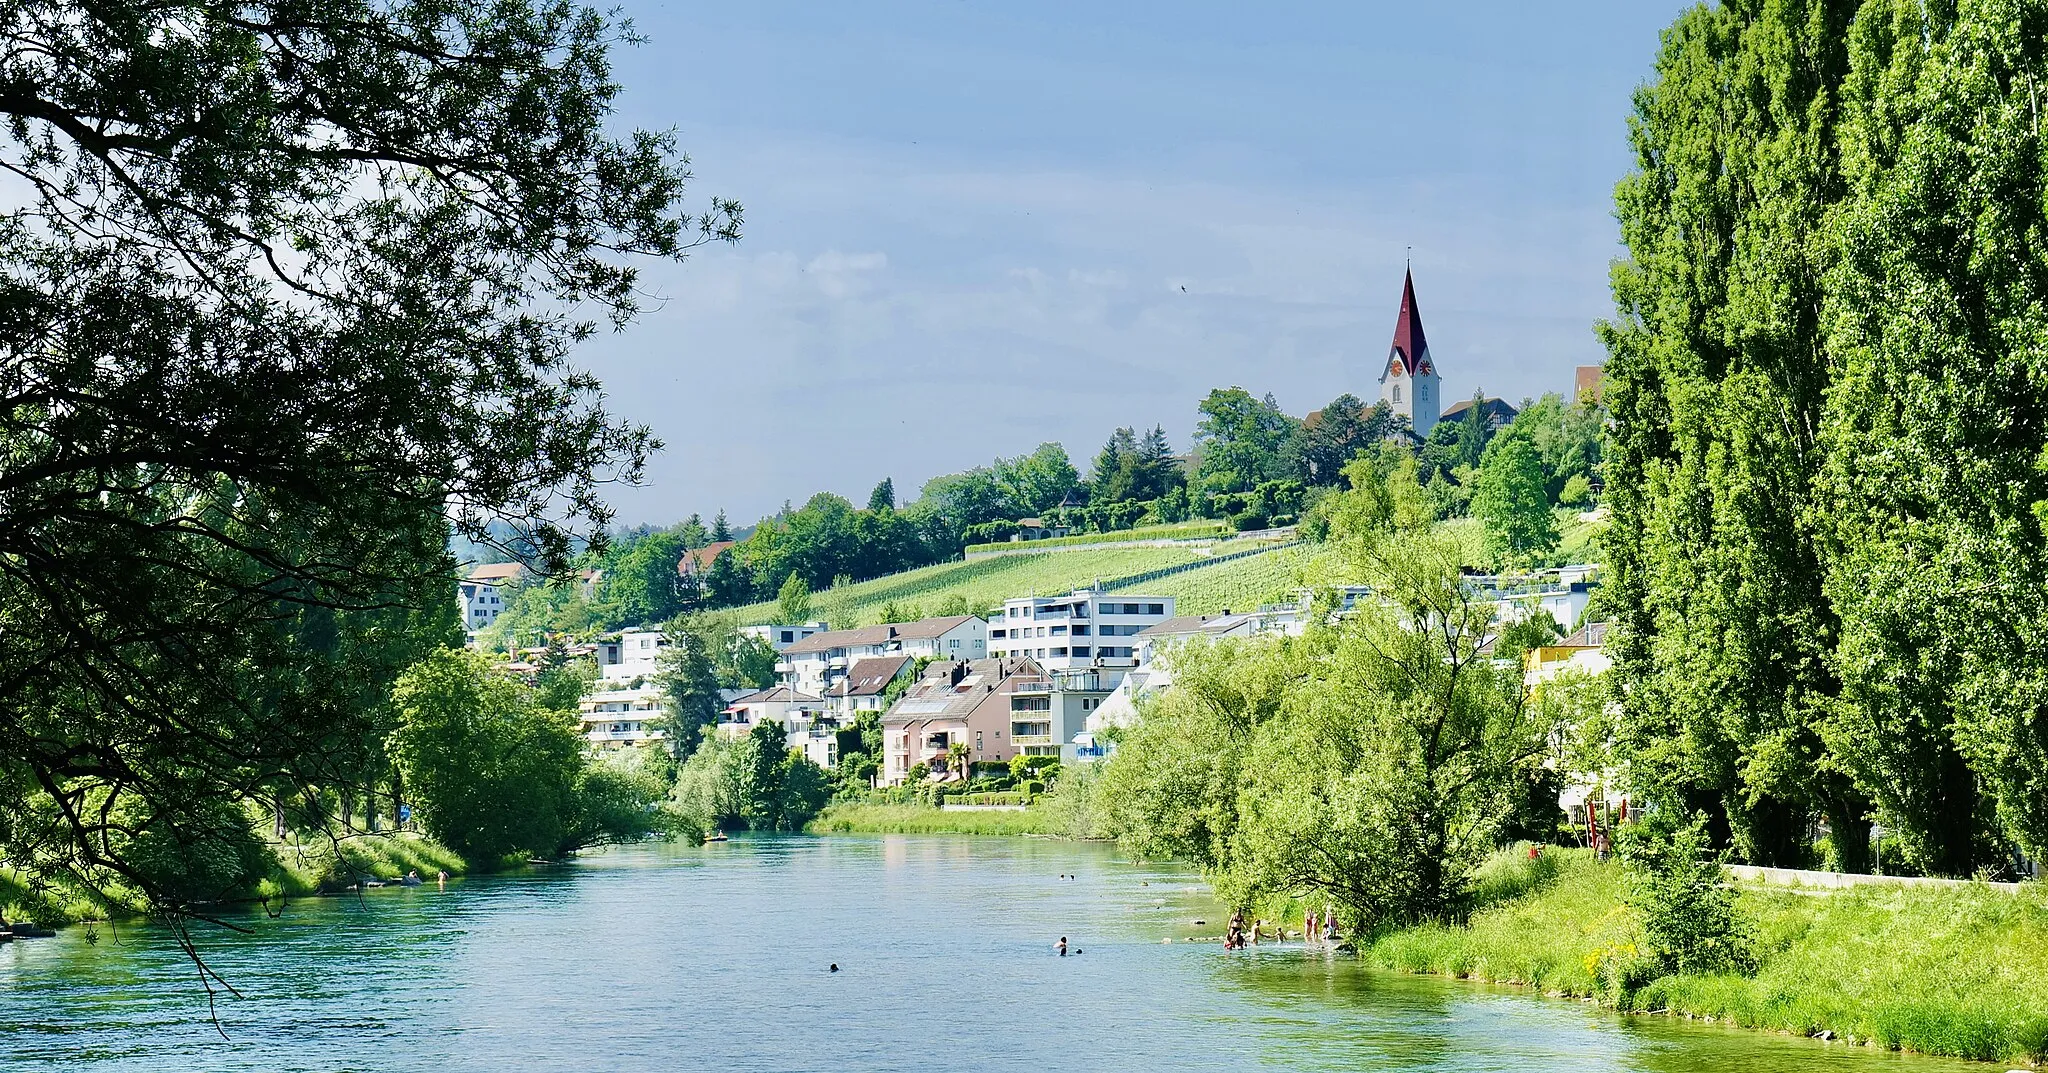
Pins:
<point x="1248" y="521"/>
<point x="1674" y="880"/>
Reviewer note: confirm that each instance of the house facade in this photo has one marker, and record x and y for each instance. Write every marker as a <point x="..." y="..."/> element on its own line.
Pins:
<point x="482" y="603"/>
<point x="970" y="703"/>
<point x="816" y="664"/>
<point x="1080" y="631"/>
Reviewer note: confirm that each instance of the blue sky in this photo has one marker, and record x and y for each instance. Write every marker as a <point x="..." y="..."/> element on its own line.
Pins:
<point x="972" y="228"/>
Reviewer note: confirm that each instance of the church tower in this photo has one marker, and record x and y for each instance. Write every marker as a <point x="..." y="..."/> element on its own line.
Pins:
<point x="1409" y="384"/>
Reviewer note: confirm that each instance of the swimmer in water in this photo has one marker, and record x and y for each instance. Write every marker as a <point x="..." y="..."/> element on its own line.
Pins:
<point x="1063" y="946"/>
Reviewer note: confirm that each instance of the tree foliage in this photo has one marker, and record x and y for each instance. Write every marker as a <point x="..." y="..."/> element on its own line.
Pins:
<point x="288" y="288"/>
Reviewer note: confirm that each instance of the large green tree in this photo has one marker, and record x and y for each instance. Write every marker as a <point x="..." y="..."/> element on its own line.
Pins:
<point x="1716" y="381"/>
<point x="289" y="286"/>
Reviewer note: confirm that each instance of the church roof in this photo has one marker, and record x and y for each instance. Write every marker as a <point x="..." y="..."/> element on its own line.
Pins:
<point x="1410" y="347"/>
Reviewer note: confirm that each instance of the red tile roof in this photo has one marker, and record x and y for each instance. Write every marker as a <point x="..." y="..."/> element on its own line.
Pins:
<point x="700" y="559"/>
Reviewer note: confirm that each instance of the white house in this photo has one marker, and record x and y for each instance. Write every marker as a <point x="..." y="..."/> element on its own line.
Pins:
<point x="1082" y="630"/>
<point x="616" y="718"/>
<point x="632" y="655"/>
<point x="780" y="704"/>
<point x="482" y="603"/>
<point x="780" y="638"/>
<point x="815" y="664"/>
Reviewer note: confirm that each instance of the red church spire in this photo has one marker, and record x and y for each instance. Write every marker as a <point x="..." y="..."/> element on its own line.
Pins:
<point x="1409" y="344"/>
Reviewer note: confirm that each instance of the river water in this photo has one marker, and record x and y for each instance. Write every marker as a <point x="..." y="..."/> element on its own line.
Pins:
<point x="715" y="958"/>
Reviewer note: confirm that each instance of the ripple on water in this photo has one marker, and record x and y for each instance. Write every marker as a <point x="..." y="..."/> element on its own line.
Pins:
<point x="683" y="957"/>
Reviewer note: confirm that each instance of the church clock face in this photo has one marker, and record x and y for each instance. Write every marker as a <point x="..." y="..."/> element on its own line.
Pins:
<point x="1394" y="367"/>
<point x="1425" y="370"/>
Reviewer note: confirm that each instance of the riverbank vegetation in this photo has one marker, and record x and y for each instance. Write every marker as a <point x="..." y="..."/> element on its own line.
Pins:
<point x="1941" y="970"/>
<point x="256" y="378"/>
<point x="863" y="818"/>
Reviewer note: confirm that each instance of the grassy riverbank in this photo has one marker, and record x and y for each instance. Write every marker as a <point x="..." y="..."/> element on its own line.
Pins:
<point x="923" y="820"/>
<point x="303" y="869"/>
<point x="1947" y="971"/>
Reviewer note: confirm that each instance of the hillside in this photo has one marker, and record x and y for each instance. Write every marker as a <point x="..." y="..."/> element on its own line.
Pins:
<point x="986" y="583"/>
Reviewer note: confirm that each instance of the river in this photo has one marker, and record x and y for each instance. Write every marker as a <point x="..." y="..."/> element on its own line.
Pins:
<point x="716" y="958"/>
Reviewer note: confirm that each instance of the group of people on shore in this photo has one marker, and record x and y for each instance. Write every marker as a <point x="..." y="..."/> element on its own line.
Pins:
<point x="1315" y="928"/>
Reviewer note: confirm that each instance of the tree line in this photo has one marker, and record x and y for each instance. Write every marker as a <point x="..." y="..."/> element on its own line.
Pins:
<point x="1252" y="465"/>
<point x="1830" y="507"/>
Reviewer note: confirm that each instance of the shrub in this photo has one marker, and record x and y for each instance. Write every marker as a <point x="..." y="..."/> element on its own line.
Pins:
<point x="1248" y="521"/>
<point x="1674" y="881"/>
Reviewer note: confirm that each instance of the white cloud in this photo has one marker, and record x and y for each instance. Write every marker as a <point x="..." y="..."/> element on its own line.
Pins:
<point x="894" y="316"/>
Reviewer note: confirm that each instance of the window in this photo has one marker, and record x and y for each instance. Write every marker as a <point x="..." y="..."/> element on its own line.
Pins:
<point x="1080" y="650"/>
<point x="954" y="643"/>
<point x="1155" y="609"/>
<point x="788" y="636"/>
<point x="1080" y="631"/>
<point x="1059" y="631"/>
<point x="1030" y="730"/>
<point x="1059" y="651"/>
<point x="1031" y="703"/>
<point x="997" y="634"/>
<point x="1397" y="393"/>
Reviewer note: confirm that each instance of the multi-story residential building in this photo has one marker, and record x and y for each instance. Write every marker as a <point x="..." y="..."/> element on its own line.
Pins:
<point x="1083" y="630"/>
<point x="482" y="603"/>
<point x="863" y="685"/>
<point x="633" y="654"/>
<point x="780" y="638"/>
<point x="616" y="718"/>
<point x="970" y="703"/>
<point x="1562" y="593"/>
<point x="815" y="664"/>
<point x="780" y="704"/>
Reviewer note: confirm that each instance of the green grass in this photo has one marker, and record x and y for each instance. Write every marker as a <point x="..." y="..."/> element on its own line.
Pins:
<point x="921" y="820"/>
<point x="1179" y="531"/>
<point x="983" y="583"/>
<point x="1946" y="971"/>
<point x="1238" y="585"/>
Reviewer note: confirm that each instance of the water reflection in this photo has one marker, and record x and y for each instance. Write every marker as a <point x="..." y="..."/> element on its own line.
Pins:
<point x="659" y="958"/>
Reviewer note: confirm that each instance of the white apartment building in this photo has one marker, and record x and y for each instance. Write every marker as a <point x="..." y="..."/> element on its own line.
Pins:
<point x="780" y="638"/>
<point x="616" y="718"/>
<point x="817" y="664"/>
<point x="482" y="603"/>
<point x="632" y="655"/>
<point x="1083" y="630"/>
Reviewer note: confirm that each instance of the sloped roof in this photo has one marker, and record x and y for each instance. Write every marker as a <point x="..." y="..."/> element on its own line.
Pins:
<point x="922" y="629"/>
<point x="777" y="695"/>
<point x="496" y="573"/>
<point x="1495" y="410"/>
<point x="1590" y="635"/>
<point x="938" y="696"/>
<point x="869" y="677"/>
<point x="1410" y="346"/>
<point x="699" y="560"/>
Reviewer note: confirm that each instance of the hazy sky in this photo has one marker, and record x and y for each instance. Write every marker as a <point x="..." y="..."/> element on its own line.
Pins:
<point x="971" y="228"/>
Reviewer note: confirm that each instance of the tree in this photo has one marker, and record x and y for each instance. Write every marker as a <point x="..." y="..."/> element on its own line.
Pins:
<point x="1242" y="441"/>
<point x="793" y="602"/>
<point x="884" y="495"/>
<point x="290" y="291"/>
<point x="1039" y="481"/>
<point x="1383" y="782"/>
<point x="1716" y="382"/>
<point x="1335" y="434"/>
<point x="687" y="670"/>
<point x="489" y="773"/>
<point x="1510" y="501"/>
<point x="721" y="531"/>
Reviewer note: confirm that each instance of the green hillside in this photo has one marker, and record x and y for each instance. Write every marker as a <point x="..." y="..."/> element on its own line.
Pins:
<point x="1238" y="585"/>
<point x="986" y="583"/>
<point x="982" y="584"/>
